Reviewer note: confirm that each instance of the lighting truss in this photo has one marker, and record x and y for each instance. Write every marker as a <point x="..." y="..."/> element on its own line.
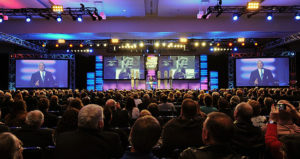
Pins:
<point x="21" y="42"/>
<point x="282" y="41"/>
<point x="262" y="9"/>
<point x="47" y="13"/>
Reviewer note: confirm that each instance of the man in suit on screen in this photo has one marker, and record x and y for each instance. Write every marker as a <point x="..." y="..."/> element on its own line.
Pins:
<point x="261" y="76"/>
<point x="42" y="78"/>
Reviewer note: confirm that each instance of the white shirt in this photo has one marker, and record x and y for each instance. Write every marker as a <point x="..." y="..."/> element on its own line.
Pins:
<point x="261" y="73"/>
<point x="43" y="74"/>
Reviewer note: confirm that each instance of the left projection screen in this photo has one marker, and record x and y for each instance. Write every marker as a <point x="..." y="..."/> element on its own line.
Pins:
<point x="41" y="73"/>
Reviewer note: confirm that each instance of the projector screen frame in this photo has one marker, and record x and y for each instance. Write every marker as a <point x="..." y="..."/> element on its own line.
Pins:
<point x="235" y="80"/>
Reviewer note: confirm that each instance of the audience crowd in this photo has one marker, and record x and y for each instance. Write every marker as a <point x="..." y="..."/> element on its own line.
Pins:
<point x="253" y="123"/>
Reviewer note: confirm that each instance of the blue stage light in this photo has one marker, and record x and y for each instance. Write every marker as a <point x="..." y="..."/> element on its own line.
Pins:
<point x="59" y="19"/>
<point x="235" y="49"/>
<point x="1" y="19"/>
<point x="28" y="19"/>
<point x="269" y="16"/>
<point x="91" y="50"/>
<point x="79" y="19"/>
<point x="211" y="49"/>
<point x="235" y="17"/>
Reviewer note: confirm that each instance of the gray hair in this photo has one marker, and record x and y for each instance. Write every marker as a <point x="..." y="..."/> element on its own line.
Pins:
<point x="89" y="116"/>
<point x="35" y="118"/>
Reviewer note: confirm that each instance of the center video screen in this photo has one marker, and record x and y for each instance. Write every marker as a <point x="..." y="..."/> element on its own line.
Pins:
<point x="124" y="67"/>
<point x="262" y="72"/>
<point x="41" y="73"/>
<point x="181" y="67"/>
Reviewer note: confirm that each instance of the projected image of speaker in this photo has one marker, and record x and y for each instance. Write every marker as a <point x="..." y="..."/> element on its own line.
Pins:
<point x="182" y="67"/>
<point x="122" y="67"/>
<point x="262" y="72"/>
<point x="41" y="73"/>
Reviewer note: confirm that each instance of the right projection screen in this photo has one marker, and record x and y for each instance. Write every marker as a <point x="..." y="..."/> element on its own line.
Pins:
<point x="262" y="72"/>
<point x="181" y="67"/>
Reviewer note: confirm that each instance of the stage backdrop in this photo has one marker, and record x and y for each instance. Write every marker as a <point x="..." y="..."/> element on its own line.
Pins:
<point x="56" y="69"/>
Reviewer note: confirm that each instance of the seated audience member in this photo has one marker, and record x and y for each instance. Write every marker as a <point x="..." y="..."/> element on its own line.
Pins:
<point x="153" y="109"/>
<point x="137" y="100"/>
<point x="248" y="140"/>
<point x="165" y="105"/>
<point x="143" y="137"/>
<point x="144" y="113"/>
<point x="3" y="127"/>
<point x="108" y="127"/>
<point x="31" y="134"/>
<point x="287" y="147"/>
<point x="75" y="103"/>
<point x="215" y="97"/>
<point x="224" y="107"/>
<point x="234" y="101"/>
<point x="10" y="146"/>
<point x="54" y="105"/>
<point x="17" y="115"/>
<point x="89" y="141"/>
<point x="208" y="108"/>
<point x="132" y="110"/>
<point x="257" y="119"/>
<point x="268" y="102"/>
<point x="285" y="125"/>
<point x="120" y="118"/>
<point x="68" y="122"/>
<point x="50" y="120"/>
<point x="216" y="135"/>
<point x="183" y="131"/>
<point x="146" y="101"/>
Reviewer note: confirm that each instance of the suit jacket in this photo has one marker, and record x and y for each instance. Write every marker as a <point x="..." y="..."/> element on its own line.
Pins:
<point x="48" y="81"/>
<point x="88" y="144"/>
<point x="267" y="79"/>
<point x="34" y="136"/>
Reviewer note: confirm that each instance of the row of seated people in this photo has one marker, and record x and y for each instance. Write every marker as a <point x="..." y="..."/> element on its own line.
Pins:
<point x="183" y="131"/>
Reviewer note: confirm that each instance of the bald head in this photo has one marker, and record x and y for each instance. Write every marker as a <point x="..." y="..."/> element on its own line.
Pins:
<point x="111" y="103"/>
<point x="243" y="111"/>
<point x="35" y="118"/>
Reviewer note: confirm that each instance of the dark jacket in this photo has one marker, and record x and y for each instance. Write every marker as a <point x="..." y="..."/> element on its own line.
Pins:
<point x="34" y="136"/>
<point x="136" y="155"/>
<point x="209" y="152"/>
<point x="247" y="140"/>
<point x="180" y="133"/>
<point x="50" y="120"/>
<point x="88" y="144"/>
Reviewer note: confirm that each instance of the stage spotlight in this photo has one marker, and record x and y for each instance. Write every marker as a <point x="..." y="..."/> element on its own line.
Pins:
<point x="71" y="45"/>
<point x="207" y="14"/>
<point x="91" y="50"/>
<point x="79" y="18"/>
<point x="58" y="18"/>
<point x="141" y="44"/>
<point x="235" y="49"/>
<point x="269" y="16"/>
<point x="235" y="17"/>
<point x="297" y="16"/>
<point x="81" y="45"/>
<point x="211" y="49"/>
<point x="1" y="18"/>
<point x="68" y="50"/>
<point x="28" y="19"/>
<point x="253" y="5"/>
<point x="256" y="44"/>
<point x="183" y="40"/>
<point x="203" y="44"/>
<point x="196" y="44"/>
<point x="218" y="44"/>
<point x="157" y="44"/>
<point x="243" y="44"/>
<point x="230" y="44"/>
<point x="56" y="45"/>
<point x="57" y="8"/>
